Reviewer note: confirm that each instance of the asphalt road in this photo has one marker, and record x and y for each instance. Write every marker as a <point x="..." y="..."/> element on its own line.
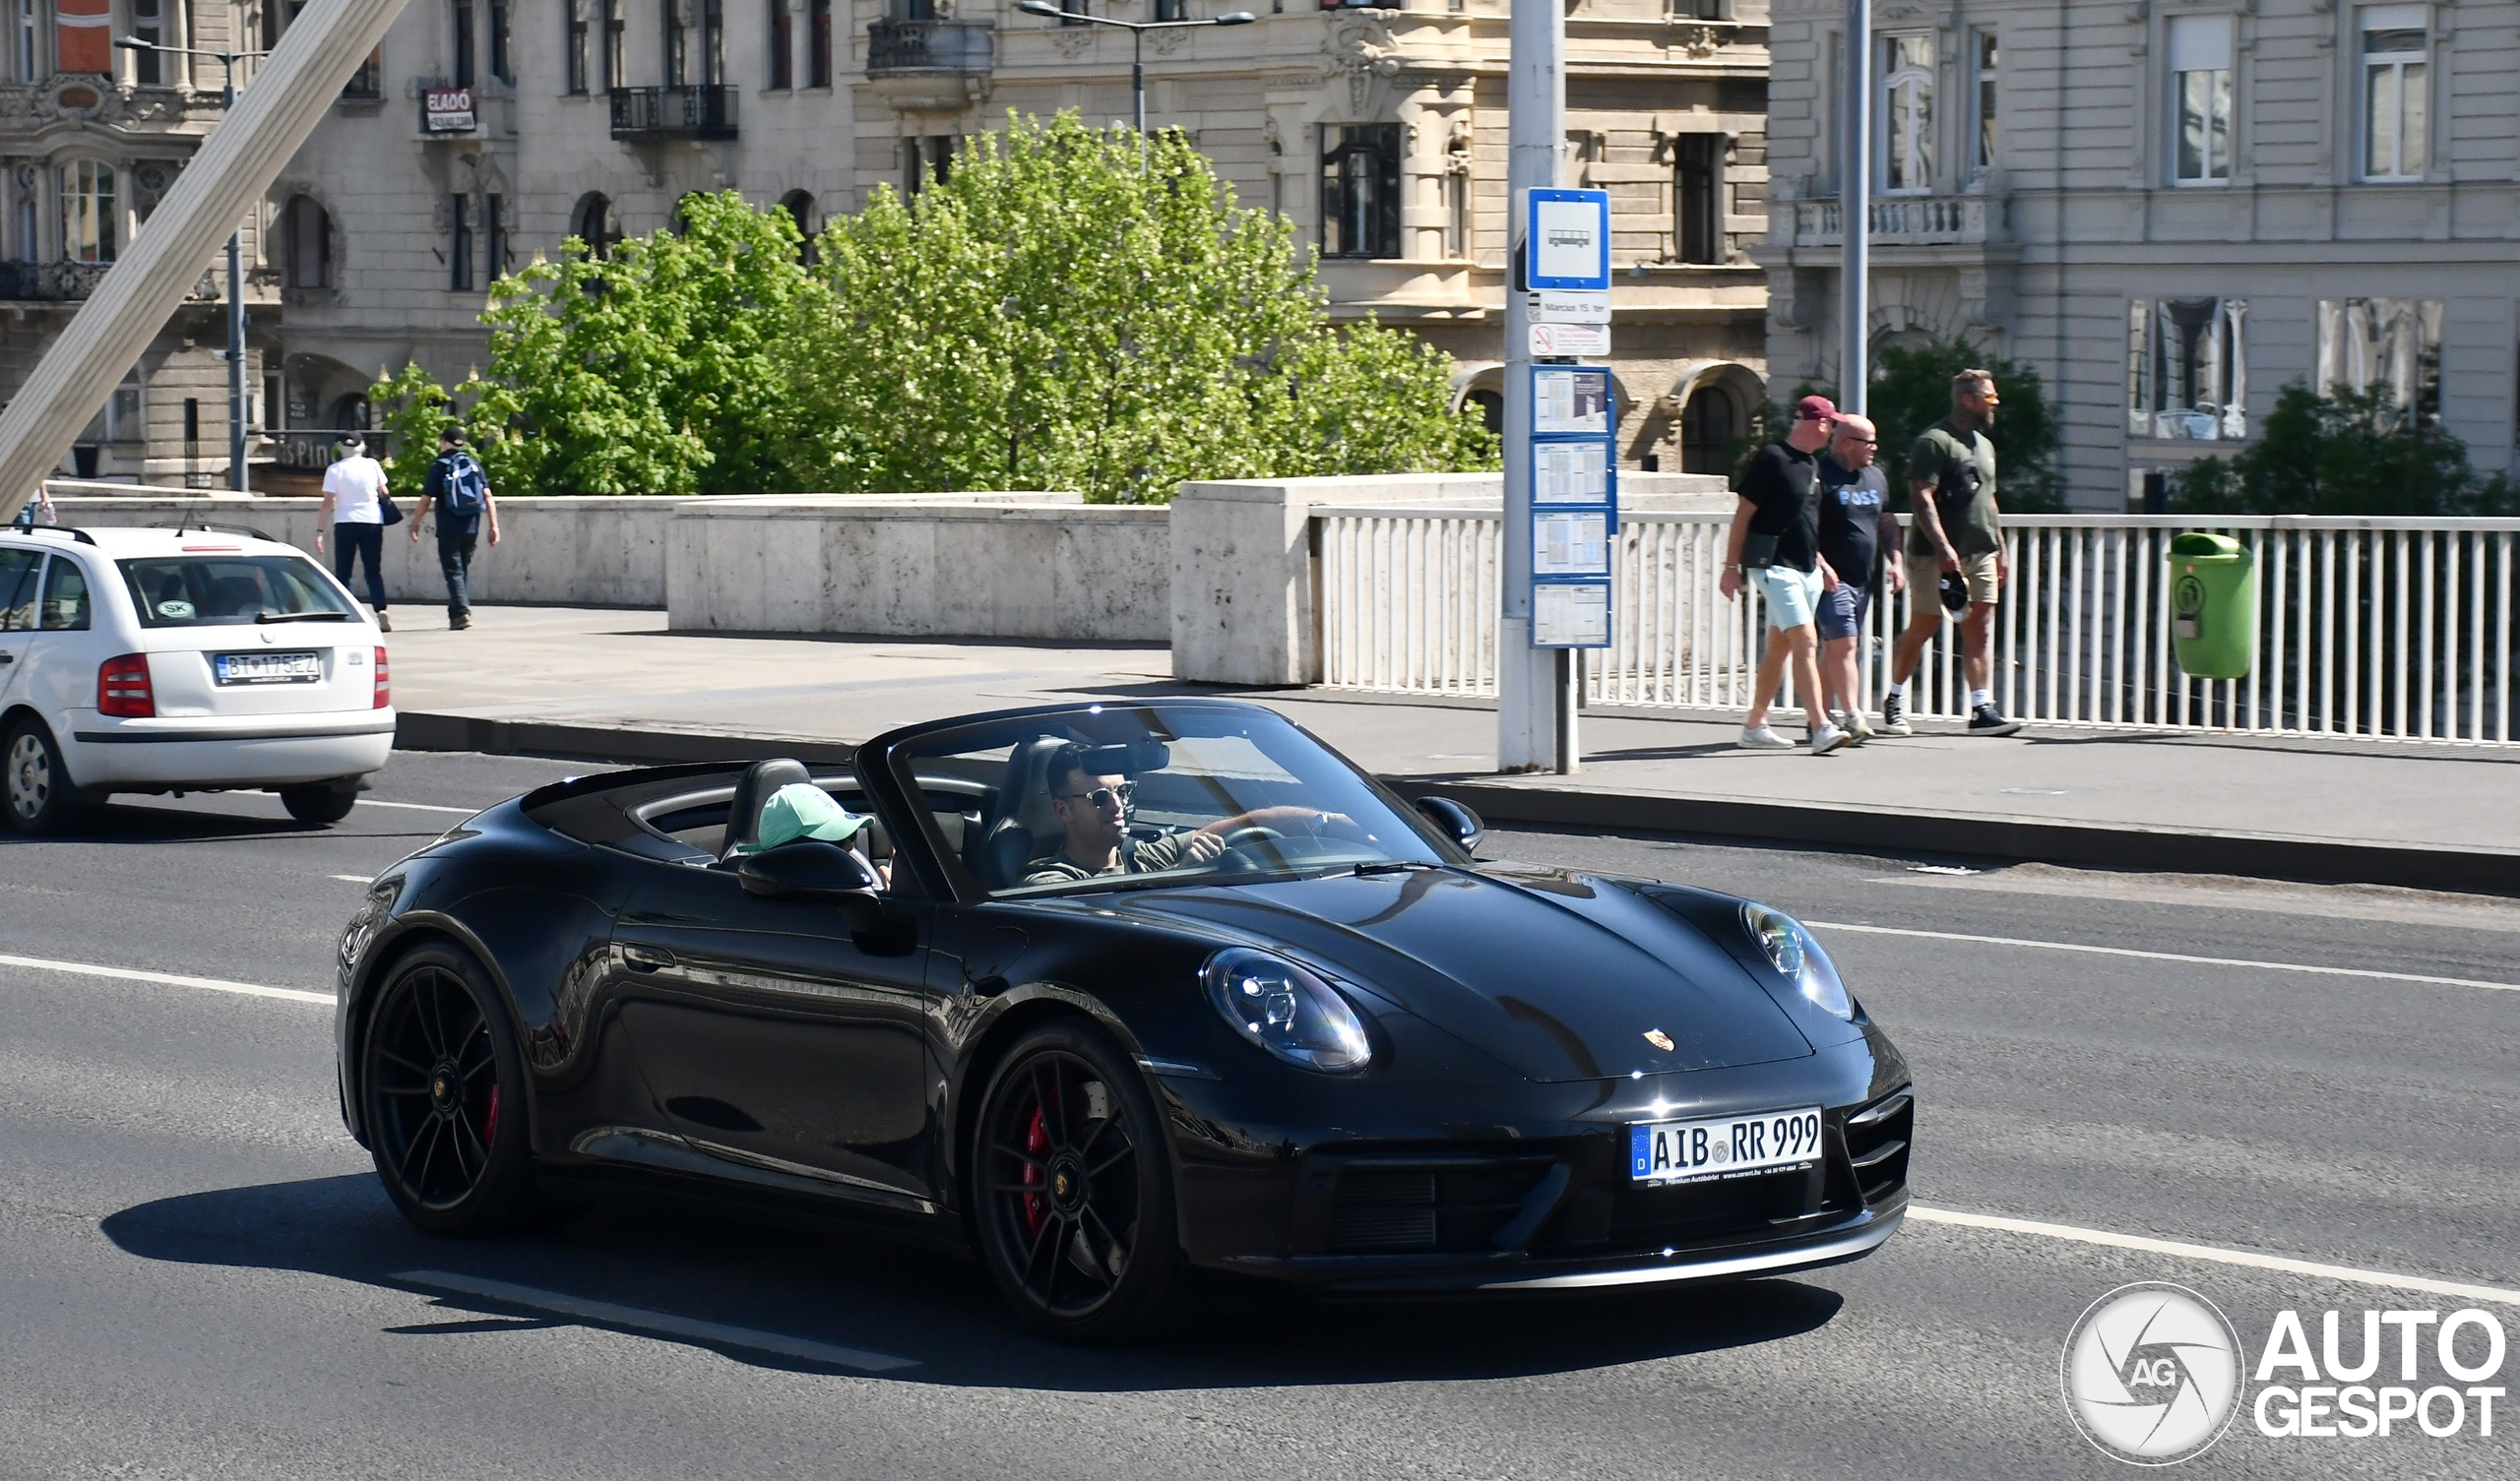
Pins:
<point x="198" y="1276"/>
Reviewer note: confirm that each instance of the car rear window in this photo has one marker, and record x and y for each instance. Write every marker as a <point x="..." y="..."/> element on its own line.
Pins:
<point x="65" y="595"/>
<point x="206" y="591"/>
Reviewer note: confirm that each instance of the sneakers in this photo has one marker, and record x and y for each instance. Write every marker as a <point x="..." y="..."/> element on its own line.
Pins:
<point x="1894" y="715"/>
<point x="459" y="622"/>
<point x="383" y="624"/>
<point x="1852" y="721"/>
<point x="1828" y="738"/>
<point x="1986" y="720"/>
<point x="1762" y="738"/>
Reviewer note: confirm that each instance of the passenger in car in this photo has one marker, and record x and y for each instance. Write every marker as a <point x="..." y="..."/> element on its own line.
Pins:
<point x="802" y="809"/>
<point x="1093" y="812"/>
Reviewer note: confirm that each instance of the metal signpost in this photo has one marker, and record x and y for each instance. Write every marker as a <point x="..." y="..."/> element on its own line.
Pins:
<point x="1854" y="200"/>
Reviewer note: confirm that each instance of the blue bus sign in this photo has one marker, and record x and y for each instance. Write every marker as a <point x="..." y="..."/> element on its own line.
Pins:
<point x="1567" y="240"/>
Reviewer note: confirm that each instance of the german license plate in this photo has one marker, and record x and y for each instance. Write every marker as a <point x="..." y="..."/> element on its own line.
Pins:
<point x="1722" y="1146"/>
<point x="266" y="669"/>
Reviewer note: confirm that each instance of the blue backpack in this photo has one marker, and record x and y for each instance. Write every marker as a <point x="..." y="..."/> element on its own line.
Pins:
<point x="466" y="487"/>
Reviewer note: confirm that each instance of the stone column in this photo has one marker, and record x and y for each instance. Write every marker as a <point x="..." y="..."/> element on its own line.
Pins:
<point x="239" y="160"/>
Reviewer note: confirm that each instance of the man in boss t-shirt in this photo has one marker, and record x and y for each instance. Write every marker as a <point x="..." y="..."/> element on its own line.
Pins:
<point x="1774" y="546"/>
<point x="1855" y="525"/>
<point x="1957" y="533"/>
<point x="353" y="510"/>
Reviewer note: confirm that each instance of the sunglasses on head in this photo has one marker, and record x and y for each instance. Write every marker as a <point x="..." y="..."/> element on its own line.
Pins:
<point x="1125" y="793"/>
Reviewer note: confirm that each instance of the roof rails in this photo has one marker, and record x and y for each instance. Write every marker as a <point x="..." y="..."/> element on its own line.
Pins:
<point x="72" y="531"/>
<point x="206" y="527"/>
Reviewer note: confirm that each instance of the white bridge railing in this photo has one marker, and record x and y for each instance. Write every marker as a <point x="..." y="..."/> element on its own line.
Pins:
<point x="2379" y="629"/>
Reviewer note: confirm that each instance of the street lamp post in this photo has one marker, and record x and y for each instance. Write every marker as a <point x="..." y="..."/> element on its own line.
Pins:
<point x="1137" y="31"/>
<point x="228" y="61"/>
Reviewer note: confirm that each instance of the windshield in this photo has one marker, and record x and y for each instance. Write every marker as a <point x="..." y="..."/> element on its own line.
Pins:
<point x="1107" y="796"/>
<point x="208" y="590"/>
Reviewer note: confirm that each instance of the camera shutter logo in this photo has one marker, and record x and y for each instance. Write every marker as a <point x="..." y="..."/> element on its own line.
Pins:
<point x="2152" y="1373"/>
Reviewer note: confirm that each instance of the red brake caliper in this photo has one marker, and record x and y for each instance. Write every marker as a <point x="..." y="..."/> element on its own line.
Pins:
<point x="491" y="1123"/>
<point x="1036" y="1140"/>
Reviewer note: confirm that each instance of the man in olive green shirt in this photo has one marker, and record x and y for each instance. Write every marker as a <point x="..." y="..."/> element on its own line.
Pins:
<point x="1957" y="535"/>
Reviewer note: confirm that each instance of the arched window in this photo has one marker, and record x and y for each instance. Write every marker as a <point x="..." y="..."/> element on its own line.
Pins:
<point x="88" y="224"/>
<point x="799" y="206"/>
<point x="306" y="244"/>
<point x="1706" y="426"/>
<point x="593" y="223"/>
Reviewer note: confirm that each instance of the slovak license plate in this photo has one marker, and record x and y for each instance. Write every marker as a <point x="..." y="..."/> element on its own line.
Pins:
<point x="266" y="669"/>
<point x="1722" y="1146"/>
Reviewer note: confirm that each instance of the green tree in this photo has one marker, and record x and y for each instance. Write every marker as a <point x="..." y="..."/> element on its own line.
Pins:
<point x="414" y="408"/>
<point x="1910" y="391"/>
<point x="1057" y="315"/>
<point x="2346" y="452"/>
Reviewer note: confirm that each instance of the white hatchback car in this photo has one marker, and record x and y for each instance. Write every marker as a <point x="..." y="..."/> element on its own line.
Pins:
<point x="179" y="661"/>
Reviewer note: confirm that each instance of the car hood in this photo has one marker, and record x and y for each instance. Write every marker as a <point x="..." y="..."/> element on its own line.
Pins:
<point x="1559" y="976"/>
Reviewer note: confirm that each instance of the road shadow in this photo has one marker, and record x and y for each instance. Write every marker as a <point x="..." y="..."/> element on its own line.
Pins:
<point x="858" y="1289"/>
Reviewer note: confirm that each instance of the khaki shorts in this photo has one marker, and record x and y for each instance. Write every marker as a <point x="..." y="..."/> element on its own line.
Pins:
<point x="1925" y="576"/>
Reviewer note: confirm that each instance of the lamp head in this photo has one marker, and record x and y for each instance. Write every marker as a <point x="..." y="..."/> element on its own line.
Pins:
<point x="131" y="44"/>
<point x="1041" y="8"/>
<point x="1237" y="17"/>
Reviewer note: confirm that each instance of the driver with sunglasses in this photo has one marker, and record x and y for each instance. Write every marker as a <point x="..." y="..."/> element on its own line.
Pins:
<point x="1094" y="815"/>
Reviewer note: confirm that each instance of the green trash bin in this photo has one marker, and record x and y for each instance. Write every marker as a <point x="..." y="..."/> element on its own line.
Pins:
<point x="2213" y="598"/>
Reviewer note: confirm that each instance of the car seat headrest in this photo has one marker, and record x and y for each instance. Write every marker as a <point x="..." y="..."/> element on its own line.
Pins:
<point x="753" y="790"/>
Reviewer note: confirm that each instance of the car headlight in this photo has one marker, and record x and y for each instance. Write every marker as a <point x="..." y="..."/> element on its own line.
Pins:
<point x="1287" y="1011"/>
<point x="1793" y="952"/>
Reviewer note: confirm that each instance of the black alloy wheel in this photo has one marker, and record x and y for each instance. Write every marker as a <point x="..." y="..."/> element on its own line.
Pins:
<point x="37" y="791"/>
<point x="444" y="1098"/>
<point x="1073" y="1191"/>
<point x="319" y="803"/>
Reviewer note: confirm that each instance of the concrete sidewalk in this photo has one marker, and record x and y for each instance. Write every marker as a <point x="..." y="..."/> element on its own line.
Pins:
<point x="617" y="685"/>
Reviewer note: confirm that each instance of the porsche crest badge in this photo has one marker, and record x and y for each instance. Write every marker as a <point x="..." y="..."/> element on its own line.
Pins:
<point x="1659" y="1040"/>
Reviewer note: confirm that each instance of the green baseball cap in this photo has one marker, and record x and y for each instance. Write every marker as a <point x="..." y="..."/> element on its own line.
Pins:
<point x="802" y="809"/>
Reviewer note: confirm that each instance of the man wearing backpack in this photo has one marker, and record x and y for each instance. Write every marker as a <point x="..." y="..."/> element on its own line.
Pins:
<point x="460" y="494"/>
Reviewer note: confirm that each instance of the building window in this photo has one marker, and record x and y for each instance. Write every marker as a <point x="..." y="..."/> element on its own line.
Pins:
<point x="573" y="50"/>
<point x="799" y="206"/>
<point x="1699" y="187"/>
<point x="2396" y="103"/>
<point x="783" y="46"/>
<point x="1982" y="154"/>
<point x="30" y="243"/>
<point x="712" y="41"/>
<point x="1707" y="429"/>
<point x="495" y="234"/>
<point x="458" y="257"/>
<point x="1907" y="113"/>
<point x="616" y="46"/>
<point x="2200" y="99"/>
<point x="2388" y="345"/>
<point x="148" y="24"/>
<point x="924" y="161"/>
<point x="818" y="43"/>
<point x="1078" y="8"/>
<point x="29" y="47"/>
<point x="2186" y="376"/>
<point x="87" y="212"/>
<point x="1361" y="190"/>
<point x="118" y="420"/>
<point x="367" y="83"/>
<point x="502" y="67"/>
<point x="306" y="244"/>
<point x="677" y="22"/>
<point x="464" y="43"/>
<point x="1172" y="10"/>
<point x="594" y="224"/>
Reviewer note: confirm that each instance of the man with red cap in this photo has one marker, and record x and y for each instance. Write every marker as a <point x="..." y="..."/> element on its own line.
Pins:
<point x="1775" y="545"/>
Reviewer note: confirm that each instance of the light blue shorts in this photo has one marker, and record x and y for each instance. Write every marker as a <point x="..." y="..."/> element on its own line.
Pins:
<point x="1791" y="596"/>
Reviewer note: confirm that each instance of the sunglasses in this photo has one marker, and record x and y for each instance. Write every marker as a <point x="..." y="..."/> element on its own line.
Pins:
<point x="1124" y="794"/>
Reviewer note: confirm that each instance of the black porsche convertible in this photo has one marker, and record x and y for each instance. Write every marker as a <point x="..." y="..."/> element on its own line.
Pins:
<point x="1113" y="992"/>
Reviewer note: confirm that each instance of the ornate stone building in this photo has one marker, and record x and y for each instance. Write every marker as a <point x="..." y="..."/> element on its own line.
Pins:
<point x="2169" y="207"/>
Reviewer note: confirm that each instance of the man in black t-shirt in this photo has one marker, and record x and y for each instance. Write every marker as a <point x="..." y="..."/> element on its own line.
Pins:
<point x="1856" y="525"/>
<point x="1775" y="547"/>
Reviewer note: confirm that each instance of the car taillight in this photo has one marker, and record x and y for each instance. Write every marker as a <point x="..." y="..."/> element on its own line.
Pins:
<point x="384" y="686"/>
<point x="122" y="688"/>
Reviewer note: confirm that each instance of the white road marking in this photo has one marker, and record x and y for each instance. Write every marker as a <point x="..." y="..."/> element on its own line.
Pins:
<point x="169" y="979"/>
<point x="2218" y="1255"/>
<point x="2069" y="945"/>
<point x="637" y="1319"/>
<point x="417" y="807"/>
<point x="355" y="879"/>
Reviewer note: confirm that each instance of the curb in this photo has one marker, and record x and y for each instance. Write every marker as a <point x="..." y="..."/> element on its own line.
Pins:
<point x="2274" y="856"/>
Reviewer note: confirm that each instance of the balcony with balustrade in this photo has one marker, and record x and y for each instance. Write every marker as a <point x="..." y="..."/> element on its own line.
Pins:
<point x="656" y="115"/>
<point x="930" y="65"/>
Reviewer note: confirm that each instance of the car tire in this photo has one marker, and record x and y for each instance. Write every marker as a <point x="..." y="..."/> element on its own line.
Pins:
<point x="443" y="1091"/>
<point x="37" y="796"/>
<point x="321" y="803"/>
<point x="1094" y="1256"/>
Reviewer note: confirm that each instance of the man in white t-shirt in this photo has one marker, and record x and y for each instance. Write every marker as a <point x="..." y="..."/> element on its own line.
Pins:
<point x="353" y="510"/>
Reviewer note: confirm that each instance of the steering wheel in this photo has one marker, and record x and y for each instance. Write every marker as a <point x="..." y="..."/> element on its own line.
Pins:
<point x="1252" y="833"/>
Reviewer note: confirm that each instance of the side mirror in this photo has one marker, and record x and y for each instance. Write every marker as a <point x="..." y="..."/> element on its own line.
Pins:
<point x="812" y="870"/>
<point x="1459" y="823"/>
